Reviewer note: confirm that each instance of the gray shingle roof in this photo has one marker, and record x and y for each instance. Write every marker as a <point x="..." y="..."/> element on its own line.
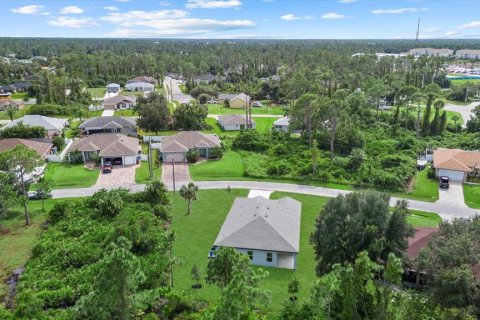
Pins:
<point x="108" y="122"/>
<point x="262" y="224"/>
<point x="39" y="121"/>
<point x="285" y="121"/>
<point x="108" y="144"/>
<point x="185" y="140"/>
<point x="233" y="119"/>
<point x="119" y="98"/>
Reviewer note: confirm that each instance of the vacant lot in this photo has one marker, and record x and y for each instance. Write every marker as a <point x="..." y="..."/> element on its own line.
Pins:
<point x="66" y="175"/>
<point x="97" y="92"/>
<point x="267" y="108"/>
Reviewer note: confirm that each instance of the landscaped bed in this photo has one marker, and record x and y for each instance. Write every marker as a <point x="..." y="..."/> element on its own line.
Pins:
<point x="265" y="109"/>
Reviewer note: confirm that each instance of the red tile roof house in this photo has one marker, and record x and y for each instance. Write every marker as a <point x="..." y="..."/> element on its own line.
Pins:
<point x="456" y="164"/>
<point x="415" y="244"/>
<point x="174" y="148"/>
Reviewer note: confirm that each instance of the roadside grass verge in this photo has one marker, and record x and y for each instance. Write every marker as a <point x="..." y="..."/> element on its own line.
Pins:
<point x="65" y="175"/>
<point x="472" y="195"/>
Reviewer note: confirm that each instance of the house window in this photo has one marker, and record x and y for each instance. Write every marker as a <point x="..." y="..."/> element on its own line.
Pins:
<point x="250" y="254"/>
<point x="269" y="257"/>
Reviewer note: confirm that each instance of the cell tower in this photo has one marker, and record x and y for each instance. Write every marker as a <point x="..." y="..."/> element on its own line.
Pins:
<point x="418" y="32"/>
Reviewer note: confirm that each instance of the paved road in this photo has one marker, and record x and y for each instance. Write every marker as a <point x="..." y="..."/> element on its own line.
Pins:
<point x="253" y="115"/>
<point x="465" y="111"/>
<point x="447" y="210"/>
<point x="176" y="92"/>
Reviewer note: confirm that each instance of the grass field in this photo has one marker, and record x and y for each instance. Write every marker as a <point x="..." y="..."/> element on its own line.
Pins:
<point x="424" y="219"/>
<point x="19" y="95"/>
<point x="425" y="189"/>
<point x="472" y="195"/>
<point x="18" y="114"/>
<point x="142" y="174"/>
<point x="464" y="81"/>
<point x="66" y="175"/>
<point x="266" y="109"/>
<point x="125" y="113"/>
<point x="97" y="92"/>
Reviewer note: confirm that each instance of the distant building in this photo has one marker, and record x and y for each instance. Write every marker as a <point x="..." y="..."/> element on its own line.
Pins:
<point x="118" y="102"/>
<point x="468" y="54"/>
<point x="267" y="231"/>
<point x="53" y="126"/>
<point x="111" y="124"/>
<point x="431" y="52"/>
<point x="208" y="78"/>
<point x="39" y="58"/>
<point x="237" y="101"/>
<point x="146" y="79"/>
<point x="9" y="103"/>
<point x="234" y="122"/>
<point x="21" y="86"/>
<point x="140" y="86"/>
<point x="113" y="88"/>
<point x="282" y="124"/>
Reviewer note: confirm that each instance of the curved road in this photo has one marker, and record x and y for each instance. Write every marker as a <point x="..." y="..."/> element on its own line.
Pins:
<point x="447" y="210"/>
<point x="465" y="111"/>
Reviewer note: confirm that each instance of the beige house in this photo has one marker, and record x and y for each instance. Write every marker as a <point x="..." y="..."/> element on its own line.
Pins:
<point x="234" y="122"/>
<point x="237" y="101"/>
<point x="456" y="164"/>
<point x="9" y="103"/>
<point x="174" y="148"/>
<point x="42" y="148"/>
<point x="118" y="102"/>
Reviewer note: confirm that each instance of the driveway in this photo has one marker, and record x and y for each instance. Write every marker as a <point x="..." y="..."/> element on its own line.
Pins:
<point x="453" y="195"/>
<point x="120" y="177"/>
<point x="182" y="175"/>
<point x="108" y="113"/>
<point x="465" y="111"/>
<point x="177" y="94"/>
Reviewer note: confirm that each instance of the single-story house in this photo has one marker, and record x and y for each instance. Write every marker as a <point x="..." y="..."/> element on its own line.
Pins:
<point x="53" y="126"/>
<point x="7" y="89"/>
<point x="268" y="231"/>
<point x="42" y="148"/>
<point x="174" y="148"/>
<point x="282" y="124"/>
<point x="117" y="148"/>
<point x="208" y="78"/>
<point x="237" y="101"/>
<point x="109" y="124"/>
<point x="232" y="122"/>
<point x="146" y="79"/>
<point x="456" y="164"/>
<point x="9" y="103"/>
<point x="113" y="88"/>
<point x="140" y="86"/>
<point x="118" y="102"/>
<point x="21" y="86"/>
<point x="415" y="244"/>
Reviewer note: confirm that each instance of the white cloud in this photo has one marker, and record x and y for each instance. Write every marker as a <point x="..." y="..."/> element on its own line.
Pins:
<point x="453" y="34"/>
<point x="131" y="17"/>
<point x="398" y="11"/>
<point x="347" y="1"/>
<point x="70" y="22"/>
<point x="292" y="17"/>
<point x="71" y="10"/>
<point x="111" y="8"/>
<point x="433" y="29"/>
<point x="470" y="25"/>
<point x="213" y="4"/>
<point x="164" y="3"/>
<point x="333" y="16"/>
<point x="30" y="9"/>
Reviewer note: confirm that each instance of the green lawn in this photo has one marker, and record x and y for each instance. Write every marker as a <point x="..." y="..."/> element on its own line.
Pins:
<point x="464" y="81"/>
<point x="472" y="195"/>
<point x="97" y="92"/>
<point x="18" y="114"/>
<point x="266" y="109"/>
<point x="264" y="125"/>
<point x="424" y="219"/>
<point x="72" y="130"/>
<point x="66" y="175"/>
<point x="142" y="174"/>
<point x="19" y="95"/>
<point x="230" y="167"/>
<point x="183" y="88"/>
<point x="425" y="189"/>
<point x="125" y="113"/>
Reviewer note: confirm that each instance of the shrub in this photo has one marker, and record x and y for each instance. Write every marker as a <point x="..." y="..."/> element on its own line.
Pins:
<point x="76" y="157"/>
<point x="59" y="143"/>
<point x="250" y="140"/>
<point x="203" y="98"/>
<point x="280" y="150"/>
<point x="216" y="153"/>
<point x="192" y="156"/>
<point x="278" y="168"/>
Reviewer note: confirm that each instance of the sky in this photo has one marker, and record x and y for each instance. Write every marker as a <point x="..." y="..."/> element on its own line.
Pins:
<point x="241" y="19"/>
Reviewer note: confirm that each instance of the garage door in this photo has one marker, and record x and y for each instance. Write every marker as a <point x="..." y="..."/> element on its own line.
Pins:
<point x="173" y="157"/>
<point x="453" y="175"/>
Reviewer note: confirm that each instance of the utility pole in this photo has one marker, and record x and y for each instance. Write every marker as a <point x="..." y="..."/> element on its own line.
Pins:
<point x="418" y="32"/>
<point x="150" y="166"/>
<point x="173" y="176"/>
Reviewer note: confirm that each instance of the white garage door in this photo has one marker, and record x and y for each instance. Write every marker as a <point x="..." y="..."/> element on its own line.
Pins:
<point x="129" y="160"/>
<point x="453" y="175"/>
<point x="173" y="157"/>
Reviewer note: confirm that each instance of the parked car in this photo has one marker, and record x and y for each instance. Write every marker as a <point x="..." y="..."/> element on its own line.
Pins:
<point x="257" y="104"/>
<point x="421" y="164"/>
<point x="32" y="195"/>
<point x="212" y="102"/>
<point x="444" y="182"/>
<point x="107" y="167"/>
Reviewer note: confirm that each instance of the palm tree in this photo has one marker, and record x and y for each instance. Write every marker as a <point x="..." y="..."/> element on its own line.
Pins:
<point x="189" y="193"/>
<point x="11" y="112"/>
<point x="455" y="118"/>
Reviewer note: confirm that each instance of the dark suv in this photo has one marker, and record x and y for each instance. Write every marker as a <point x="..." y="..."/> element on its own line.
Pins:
<point x="107" y="167"/>
<point x="444" y="182"/>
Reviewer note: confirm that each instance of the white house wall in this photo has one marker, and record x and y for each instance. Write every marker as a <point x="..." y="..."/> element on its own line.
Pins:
<point x="260" y="258"/>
